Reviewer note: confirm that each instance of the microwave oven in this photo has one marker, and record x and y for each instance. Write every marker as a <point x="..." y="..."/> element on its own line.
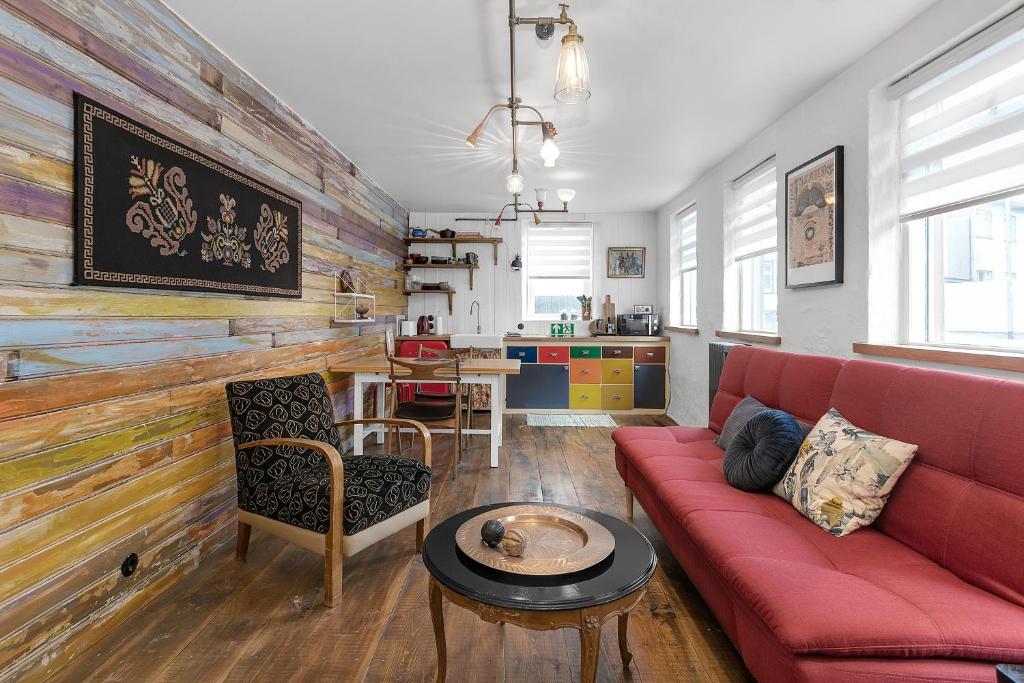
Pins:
<point x="639" y="324"/>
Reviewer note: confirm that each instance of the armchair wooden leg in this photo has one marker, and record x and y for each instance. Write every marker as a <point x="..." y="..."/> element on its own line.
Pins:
<point x="242" y="541"/>
<point x="421" y="529"/>
<point x="629" y="503"/>
<point x="332" y="577"/>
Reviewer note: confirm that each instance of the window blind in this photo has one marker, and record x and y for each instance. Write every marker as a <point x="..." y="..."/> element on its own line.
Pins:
<point x="688" y="239"/>
<point x="753" y="226"/>
<point x="962" y="126"/>
<point x="558" y="251"/>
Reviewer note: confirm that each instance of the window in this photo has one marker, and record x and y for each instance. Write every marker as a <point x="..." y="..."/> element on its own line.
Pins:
<point x="962" y="192"/>
<point x="687" y="221"/>
<point x="752" y="242"/>
<point x="558" y="268"/>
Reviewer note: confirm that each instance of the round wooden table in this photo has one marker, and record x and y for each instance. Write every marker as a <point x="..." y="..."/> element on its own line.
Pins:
<point x="582" y="600"/>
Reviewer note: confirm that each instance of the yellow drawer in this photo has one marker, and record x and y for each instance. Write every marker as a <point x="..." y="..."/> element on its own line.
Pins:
<point x="616" y="371"/>
<point x="584" y="397"/>
<point x="617" y="397"/>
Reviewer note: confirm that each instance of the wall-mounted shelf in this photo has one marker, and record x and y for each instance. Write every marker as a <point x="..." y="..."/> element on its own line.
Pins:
<point x="450" y="266"/>
<point x="493" y="241"/>
<point x="449" y="292"/>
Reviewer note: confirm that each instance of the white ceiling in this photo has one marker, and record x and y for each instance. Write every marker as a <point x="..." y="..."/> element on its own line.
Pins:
<point x="677" y="85"/>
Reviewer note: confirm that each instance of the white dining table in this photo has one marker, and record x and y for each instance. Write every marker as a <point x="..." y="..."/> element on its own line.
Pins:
<point x="376" y="370"/>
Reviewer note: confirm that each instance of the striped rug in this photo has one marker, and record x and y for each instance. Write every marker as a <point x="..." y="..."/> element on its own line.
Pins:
<point x="567" y="420"/>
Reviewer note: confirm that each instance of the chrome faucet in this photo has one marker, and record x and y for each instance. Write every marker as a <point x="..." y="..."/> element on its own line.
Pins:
<point x="477" y="304"/>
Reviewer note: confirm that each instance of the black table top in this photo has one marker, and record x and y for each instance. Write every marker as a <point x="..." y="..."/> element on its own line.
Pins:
<point x="629" y="567"/>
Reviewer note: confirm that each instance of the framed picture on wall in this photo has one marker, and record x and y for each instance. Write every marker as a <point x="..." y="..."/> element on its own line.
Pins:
<point x="626" y="261"/>
<point x="814" y="221"/>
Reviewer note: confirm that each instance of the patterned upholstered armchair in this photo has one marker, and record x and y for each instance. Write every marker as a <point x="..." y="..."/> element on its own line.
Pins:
<point x="294" y="483"/>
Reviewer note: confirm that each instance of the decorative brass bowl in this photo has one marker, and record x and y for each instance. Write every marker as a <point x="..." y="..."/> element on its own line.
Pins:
<point x="560" y="541"/>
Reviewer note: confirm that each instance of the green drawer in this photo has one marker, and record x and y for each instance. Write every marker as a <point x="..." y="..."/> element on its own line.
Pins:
<point x="584" y="351"/>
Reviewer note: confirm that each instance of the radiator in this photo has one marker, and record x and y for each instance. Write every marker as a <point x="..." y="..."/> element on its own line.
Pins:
<point x="717" y="351"/>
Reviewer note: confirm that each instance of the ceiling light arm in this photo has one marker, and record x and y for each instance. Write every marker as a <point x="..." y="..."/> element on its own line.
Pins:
<point x="563" y="18"/>
<point x="473" y="137"/>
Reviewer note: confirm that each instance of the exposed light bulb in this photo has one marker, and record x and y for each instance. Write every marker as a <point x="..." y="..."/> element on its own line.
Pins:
<point x="514" y="183"/>
<point x="565" y="195"/>
<point x="572" y="79"/>
<point x="549" y="152"/>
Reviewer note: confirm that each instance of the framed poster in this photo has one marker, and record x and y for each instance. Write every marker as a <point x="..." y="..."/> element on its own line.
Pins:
<point x="151" y="212"/>
<point x="814" y="221"/>
<point x="626" y="261"/>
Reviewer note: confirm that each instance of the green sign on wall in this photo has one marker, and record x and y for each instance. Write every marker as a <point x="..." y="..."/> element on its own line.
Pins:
<point x="563" y="329"/>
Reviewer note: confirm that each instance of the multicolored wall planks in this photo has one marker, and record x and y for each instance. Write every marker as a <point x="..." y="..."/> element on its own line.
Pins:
<point x="113" y="437"/>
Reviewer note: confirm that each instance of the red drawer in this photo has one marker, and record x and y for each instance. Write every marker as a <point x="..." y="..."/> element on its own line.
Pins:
<point x="553" y="354"/>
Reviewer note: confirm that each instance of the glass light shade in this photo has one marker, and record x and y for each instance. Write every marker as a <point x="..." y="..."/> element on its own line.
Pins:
<point x="572" y="80"/>
<point x="514" y="183"/>
<point x="549" y="152"/>
<point x="565" y="195"/>
<point x="541" y="194"/>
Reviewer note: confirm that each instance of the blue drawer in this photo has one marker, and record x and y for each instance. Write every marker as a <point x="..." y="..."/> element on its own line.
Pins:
<point x="525" y="354"/>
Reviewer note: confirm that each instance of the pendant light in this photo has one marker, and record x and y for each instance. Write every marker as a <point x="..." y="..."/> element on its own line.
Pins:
<point x="572" y="80"/>
<point x="549" y="150"/>
<point x="514" y="183"/>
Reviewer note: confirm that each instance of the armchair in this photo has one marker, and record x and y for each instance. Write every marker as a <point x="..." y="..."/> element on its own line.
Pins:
<point x="294" y="483"/>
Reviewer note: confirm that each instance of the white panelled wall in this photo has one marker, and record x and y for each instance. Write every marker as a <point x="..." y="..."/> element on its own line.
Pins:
<point x="851" y="111"/>
<point x="500" y="290"/>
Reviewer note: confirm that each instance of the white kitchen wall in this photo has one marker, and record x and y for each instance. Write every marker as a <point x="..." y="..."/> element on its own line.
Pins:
<point x="847" y="111"/>
<point x="499" y="289"/>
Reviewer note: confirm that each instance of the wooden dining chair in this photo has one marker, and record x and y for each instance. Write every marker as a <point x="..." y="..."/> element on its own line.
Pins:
<point x="462" y="354"/>
<point x="440" y="414"/>
<point x="294" y="483"/>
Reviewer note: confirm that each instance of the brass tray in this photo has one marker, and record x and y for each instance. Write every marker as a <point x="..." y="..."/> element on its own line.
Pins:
<point x="558" y="541"/>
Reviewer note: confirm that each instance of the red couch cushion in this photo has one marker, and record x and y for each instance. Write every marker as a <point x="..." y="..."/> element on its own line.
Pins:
<point x="961" y="501"/>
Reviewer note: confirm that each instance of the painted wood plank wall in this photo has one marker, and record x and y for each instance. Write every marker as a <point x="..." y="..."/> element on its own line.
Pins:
<point x="113" y="426"/>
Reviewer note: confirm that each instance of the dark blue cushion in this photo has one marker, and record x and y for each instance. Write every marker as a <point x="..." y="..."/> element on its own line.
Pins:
<point x="763" y="450"/>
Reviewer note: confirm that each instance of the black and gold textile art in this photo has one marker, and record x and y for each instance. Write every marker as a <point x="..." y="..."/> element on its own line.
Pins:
<point x="150" y="212"/>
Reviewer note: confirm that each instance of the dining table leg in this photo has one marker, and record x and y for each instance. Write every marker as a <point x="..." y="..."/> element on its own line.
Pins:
<point x="497" y="399"/>
<point x="357" y="413"/>
<point x="382" y="389"/>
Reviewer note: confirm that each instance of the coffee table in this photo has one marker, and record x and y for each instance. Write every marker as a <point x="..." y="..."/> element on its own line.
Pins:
<point x="582" y="600"/>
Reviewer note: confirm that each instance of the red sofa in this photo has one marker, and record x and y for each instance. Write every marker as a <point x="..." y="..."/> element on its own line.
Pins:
<point x="933" y="590"/>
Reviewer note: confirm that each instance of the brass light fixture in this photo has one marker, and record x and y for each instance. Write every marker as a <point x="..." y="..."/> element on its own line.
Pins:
<point x="572" y="85"/>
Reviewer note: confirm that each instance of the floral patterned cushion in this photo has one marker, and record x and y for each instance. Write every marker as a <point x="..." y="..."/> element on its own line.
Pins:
<point x="843" y="475"/>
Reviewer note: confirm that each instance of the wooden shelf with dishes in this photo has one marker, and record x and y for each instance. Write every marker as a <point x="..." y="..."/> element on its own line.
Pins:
<point x="453" y="241"/>
<point x="451" y="266"/>
<point x="449" y="292"/>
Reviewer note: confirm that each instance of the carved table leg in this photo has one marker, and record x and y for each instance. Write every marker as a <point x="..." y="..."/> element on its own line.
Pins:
<point x="437" y="616"/>
<point x="627" y="656"/>
<point x="590" y="646"/>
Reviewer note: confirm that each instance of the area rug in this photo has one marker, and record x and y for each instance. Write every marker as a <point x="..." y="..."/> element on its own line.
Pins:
<point x="567" y="420"/>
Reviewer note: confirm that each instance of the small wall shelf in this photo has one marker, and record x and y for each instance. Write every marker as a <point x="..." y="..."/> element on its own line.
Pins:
<point x="493" y="241"/>
<point x="350" y="294"/>
<point x="450" y="266"/>
<point x="449" y="292"/>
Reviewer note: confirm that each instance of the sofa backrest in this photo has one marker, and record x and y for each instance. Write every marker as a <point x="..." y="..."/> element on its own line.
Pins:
<point x="797" y="383"/>
<point x="961" y="502"/>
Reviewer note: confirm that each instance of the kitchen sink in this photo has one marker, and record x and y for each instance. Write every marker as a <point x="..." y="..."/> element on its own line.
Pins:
<point x="477" y="341"/>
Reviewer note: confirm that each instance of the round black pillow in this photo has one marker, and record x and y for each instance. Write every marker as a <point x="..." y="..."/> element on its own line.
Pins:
<point x="763" y="450"/>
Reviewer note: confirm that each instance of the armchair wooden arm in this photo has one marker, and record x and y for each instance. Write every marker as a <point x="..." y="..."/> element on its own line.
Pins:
<point x="418" y="426"/>
<point x="332" y="542"/>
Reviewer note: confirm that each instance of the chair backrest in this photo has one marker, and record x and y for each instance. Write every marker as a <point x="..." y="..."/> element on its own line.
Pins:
<point x="296" y="407"/>
<point x="426" y="369"/>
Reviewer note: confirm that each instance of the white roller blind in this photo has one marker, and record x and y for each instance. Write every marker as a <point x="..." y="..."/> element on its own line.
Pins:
<point x="688" y="239"/>
<point x="558" y="251"/>
<point x="753" y="226"/>
<point x="962" y="125"/>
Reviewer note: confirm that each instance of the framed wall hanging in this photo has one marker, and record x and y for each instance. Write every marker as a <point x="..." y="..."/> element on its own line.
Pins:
<point x="626" y="261"/>
<point x="154" y="213"/>
<point x="814" y="221"/>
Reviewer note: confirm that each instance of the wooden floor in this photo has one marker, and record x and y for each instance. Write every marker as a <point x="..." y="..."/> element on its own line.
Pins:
<point x="263" y="620"/>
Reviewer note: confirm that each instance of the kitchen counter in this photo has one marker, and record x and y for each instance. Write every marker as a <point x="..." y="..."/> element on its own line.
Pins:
<point x="594" y="339"/>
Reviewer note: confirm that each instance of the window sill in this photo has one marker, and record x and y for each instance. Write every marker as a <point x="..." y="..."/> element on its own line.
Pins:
<point x="683" y="329"/>
<point x="995" y="360"/>
<point x="755" y="337"/>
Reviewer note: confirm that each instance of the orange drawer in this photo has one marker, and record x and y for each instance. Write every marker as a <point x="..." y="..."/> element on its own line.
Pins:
<point x="585" y="371"/>
<point x="649" y="354"/>
<point x="553" y="354"/>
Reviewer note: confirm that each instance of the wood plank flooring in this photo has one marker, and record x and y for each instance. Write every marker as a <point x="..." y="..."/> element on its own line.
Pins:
<point x="263" y="620"/>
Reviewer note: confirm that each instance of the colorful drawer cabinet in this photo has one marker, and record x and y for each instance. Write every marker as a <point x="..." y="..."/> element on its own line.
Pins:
<point x="592" y="375"/>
